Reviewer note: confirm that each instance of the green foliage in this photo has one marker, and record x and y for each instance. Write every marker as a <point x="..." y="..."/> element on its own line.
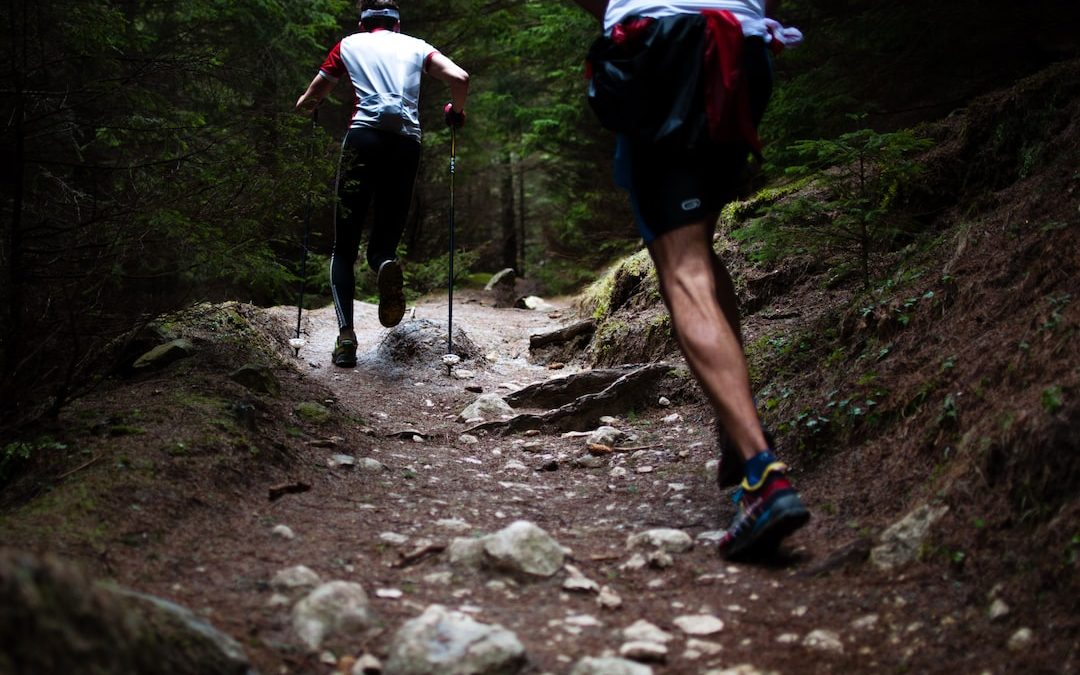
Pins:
<point x="434" y="274"/>
<point x="16" y="453"/>
<point x="849" y="208"/>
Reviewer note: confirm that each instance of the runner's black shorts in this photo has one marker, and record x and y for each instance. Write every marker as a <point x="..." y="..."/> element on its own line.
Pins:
<point x="671" y="187"/>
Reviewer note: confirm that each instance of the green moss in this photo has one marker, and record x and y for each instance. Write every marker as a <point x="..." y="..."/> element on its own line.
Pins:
<point x="312" y="412"/>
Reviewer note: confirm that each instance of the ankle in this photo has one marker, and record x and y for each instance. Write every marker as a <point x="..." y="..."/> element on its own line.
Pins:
<point x="347" y="334"/>
<point x="756" y="465"/>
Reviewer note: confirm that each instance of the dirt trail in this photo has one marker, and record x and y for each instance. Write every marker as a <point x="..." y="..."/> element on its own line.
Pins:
<point x="774" y="614"/>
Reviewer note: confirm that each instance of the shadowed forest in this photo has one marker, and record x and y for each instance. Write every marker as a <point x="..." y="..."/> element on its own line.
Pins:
<point x="906" y="260"/>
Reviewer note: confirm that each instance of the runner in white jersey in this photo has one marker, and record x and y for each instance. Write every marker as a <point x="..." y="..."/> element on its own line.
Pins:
<point x="380" y="152"/>
<point x="677" y="185"/>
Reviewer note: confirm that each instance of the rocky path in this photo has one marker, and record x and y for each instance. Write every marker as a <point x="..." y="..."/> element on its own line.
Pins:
<point x="525" y="552"/>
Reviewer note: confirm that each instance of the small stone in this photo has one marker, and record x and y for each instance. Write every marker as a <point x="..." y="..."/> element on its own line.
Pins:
<point x="388" y="593"/>
<point x="369" y="465"/>
<point x="463" y="374"/>
<point x="640" y="650"/>
<point x="699" y="624"/>
<point x="998" y="609"/>
<point x="532" y="432"/>
<point x="580" y="584"/>
<point x="468" y="439"/>
<point x="341" y="461"/>
<point x="609" y="665"/>
<point x="453" y="524"/>
<point x="514" y="465"/>
<point x="1021" y="639"/>
<point x="618" y="472"/>
<point x="865" y="622"/>
<point x="635" y="562"/>
<point x="295" y="577"/>
<point x="644" y="469"/>
<point x="393" y="538"/>
<point x="824" y="641"/>
<point x="367" y="664"/>
<point x="643" y="631"/>
<point x="672" y="418"/>
<point x="283" y="532"/>
<point x="663" y="401"/>
<point x="787" y="638"/>
<point x="704" y="646"/>
<point x="666" y="539"/>
<point x="608" y="599"/>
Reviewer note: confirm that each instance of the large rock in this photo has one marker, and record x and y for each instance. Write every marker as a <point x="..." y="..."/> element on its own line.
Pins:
<point x="901" y="543"/>
<point x="163" y="355"/>
<point x="488" y="407"/>
<point x="334" y="608"/>
<point x="524" y="548"/>
<point x="444" y="642"/>
<point x="53" y="619"/>
<point x="256" y="378"/>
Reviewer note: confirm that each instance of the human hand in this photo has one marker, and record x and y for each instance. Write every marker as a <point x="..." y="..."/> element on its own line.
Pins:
<point x="454" y="119"/>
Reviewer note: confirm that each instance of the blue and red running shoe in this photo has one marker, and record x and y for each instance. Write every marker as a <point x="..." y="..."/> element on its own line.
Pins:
<point x="768" y="511"/>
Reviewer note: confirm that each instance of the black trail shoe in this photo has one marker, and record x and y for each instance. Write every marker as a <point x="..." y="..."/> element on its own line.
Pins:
<point x="391" y="293"/>
<point x="345" y="353"/>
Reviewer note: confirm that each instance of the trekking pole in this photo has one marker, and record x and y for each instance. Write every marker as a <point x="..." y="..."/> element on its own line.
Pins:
<point x="450" y="284"/>
<point x="297" y="342"/>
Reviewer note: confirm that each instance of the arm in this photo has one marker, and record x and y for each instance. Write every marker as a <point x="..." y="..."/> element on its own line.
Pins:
<point x="319" y="88"/>
<point x="442" y="68"/>
<point x="594" y="7"/>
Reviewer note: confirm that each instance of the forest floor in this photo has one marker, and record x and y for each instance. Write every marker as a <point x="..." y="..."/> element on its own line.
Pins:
<point x="173" y="501"/>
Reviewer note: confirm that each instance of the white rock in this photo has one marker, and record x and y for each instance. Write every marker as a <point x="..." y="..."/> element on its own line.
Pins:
<point x="369" y="465"/>
<point x="824" y="641"/>
<point x="665" y="539"/>
<point x="466" y="552"/>
<point x="998" y="609"/>
<point x="367" y="664"/>
<point x="283" y="532"/>
<point x="514" y="465"/>
<point x="487" y="407"/>
<point x="609" y="665"/>
<point x="865" y="622"/>
<point x="278" y="600"/>
<point x="1021" y="639"/>
<point x="704" y="646"/>
<point x="298" y="577"/>
<point x="699" y="624"/>
<point x="636" y="562"/>
<point x="463" y="374"/>
<point x="524" y="548"/>
<point x="618" y="472"/>
<point x="334" y="608"/>
<point x="453" y="524"/>
<point x="902" y="541"/>
<point x="446" y="641"/>
<point x="388" y="593"/>
<point x="393" y="538"/>
<point x="607" y="435"/>
<point x="608" y="599"/>
<point x="787" y="638"/>
<point x="344" y="461"/>
<point x="580" y="584"/>
<point x="672" y="418"/>
<point x="584" y="620"/>
<point x="640" y="650"/>
<point x="468" y="439"/>
<point x="643" y="631"/>
<point x="663" y="401"/>
<point x="439" y="578"/>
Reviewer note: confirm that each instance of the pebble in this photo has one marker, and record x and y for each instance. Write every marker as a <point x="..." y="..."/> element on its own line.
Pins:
<point x="824" y="641"/>
<point x="663" y="401"/>
<point x="468" y="439"/>
<point x="640" y="650"/>
<point x="1021" y="639"/>
<point x="672" y="418"/>
<point x="608" y="599"/>
<point x="643" y="631"/>
<point x="865" y="622"/>
<point x="283" y="532"/>
<point x="393" y="538"/>
<point x="704" y="646"/>
<point x="998" y="609"/>
<point x="388" y="593"/>
<point x="367" y="664"/>
<point x="341" y="460"/>
<point x="699" y="624"/>
<point x="787" y="638"/>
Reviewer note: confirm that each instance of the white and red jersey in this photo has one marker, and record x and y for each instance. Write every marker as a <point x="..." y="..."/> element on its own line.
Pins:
<point x="384" y="68"/>
<point x="750" y="13"/>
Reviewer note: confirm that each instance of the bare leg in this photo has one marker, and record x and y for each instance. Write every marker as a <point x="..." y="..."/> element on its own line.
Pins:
<point x="701" y="299"/>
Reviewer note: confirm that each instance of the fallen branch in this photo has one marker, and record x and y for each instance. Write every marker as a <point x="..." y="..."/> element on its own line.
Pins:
<point x="416" y="555"/>
<point x="79" y="468"/>
<point x="277" y="491"/>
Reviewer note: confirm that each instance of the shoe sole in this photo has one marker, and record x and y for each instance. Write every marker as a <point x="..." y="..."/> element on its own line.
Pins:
<point x="391" y="294"/>
<point x="785" y="517"/>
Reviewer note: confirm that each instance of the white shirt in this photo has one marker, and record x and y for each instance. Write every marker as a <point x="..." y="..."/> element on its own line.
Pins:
<point x="750" y="13"/>
<point x="384" y="68"/>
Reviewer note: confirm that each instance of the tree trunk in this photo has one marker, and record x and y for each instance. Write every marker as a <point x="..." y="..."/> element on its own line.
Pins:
<point x="521" y="217"/>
